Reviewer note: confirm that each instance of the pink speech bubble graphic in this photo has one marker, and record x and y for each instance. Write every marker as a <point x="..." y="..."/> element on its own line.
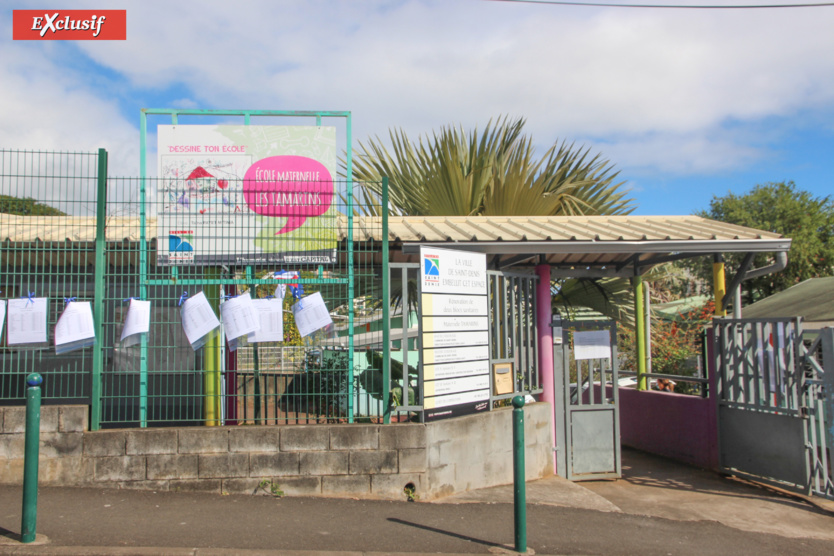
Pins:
<point x="295" y="187"/>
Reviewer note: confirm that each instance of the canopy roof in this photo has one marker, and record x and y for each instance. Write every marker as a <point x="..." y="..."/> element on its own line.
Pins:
<point x="582" y="245"/>
<point x="575" y="245"/>
<point x="813" y="300"/>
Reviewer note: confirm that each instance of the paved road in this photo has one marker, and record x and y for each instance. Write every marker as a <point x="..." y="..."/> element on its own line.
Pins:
<point x="107" y="518"/>
<point x="659" y="507"/>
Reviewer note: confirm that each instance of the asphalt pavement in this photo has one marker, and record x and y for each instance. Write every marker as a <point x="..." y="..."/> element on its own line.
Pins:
<point x="659" y="507"/>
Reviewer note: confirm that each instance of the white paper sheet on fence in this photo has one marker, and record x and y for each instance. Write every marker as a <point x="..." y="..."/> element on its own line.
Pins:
<point x="271" y="315"/>
<point x="138" y="318"/>
<point x="26" y="322"/>
<point x="311" y="314"/>
<point x="198" y="319"/>
<point x="75" y="328"/>
<point x="594" y="344"/>
<point x="239" y="317"/>
<point x="2" y="315"/>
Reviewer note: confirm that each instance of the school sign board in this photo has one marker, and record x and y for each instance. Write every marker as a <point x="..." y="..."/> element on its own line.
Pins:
<point x="455" y="340"/>
<point x="246" y="195"/>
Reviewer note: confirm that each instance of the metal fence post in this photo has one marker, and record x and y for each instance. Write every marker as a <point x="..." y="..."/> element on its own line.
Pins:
<point x="520" y="494"/>
<point x="386" y="314"/>
<point x="30" y="458"/>
<point x="100" y="290"/>
<point x="828" y="383"/>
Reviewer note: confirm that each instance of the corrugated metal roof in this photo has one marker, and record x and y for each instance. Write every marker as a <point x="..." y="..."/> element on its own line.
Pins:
<point x="566" y="228"/>
<point x="813" y="300"/>
<point x="564" y="241"/>
<point x="431" y="228"/>
<point x="26" y="229"/>
<point x="474" y="229"/>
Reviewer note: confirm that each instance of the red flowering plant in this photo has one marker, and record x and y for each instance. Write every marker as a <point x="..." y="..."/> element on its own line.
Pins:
<point x="675" y="346"/>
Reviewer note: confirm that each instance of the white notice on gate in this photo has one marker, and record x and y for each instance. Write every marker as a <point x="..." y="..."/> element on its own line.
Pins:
<point x="27" y="321"/>
<point x="137" y="320"/>
<point x="311" y="314"/>
<point x="271" y="315"/>
<point x="595" y="344"/>
<point x="198" y="319"/>
<point x="240" y="317"/>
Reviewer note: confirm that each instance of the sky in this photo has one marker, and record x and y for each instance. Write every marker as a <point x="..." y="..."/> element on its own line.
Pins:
<point x="687" y="104"/>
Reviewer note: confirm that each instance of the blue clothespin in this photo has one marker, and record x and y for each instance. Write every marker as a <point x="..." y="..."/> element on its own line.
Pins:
<point x="68" y="300"/>
<point x="127" y="299"/>
<point x="31" y="298"/>
<point x="182" y="298"/>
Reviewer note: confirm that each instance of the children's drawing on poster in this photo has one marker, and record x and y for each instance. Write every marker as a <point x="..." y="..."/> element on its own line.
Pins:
<point x="246" y="195"/>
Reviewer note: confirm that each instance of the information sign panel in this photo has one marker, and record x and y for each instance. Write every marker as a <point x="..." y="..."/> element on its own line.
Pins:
<point x="455" y="326"/>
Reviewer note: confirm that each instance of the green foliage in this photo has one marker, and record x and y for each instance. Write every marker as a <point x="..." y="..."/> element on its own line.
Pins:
<point x="612" y="297"/>
<point x="784" y="209"/>
<point x="675" y="344"/>
<point x="410" y="492"/>
<point x="26" y="207"/>
<point x="371" y="378"/>
<point x="322" y="387"/>
<point x="271" y="487"/>
<point x="495" y="173"/>
<point x="292" y="337"/>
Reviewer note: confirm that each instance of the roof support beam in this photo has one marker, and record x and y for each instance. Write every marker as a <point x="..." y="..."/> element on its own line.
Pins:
<point x="738" y="278"/>
<point x="608" y="272"/>
<point x="645" y="266"/>
<point x="632" y="261"/>
<point x="512" y="261"/>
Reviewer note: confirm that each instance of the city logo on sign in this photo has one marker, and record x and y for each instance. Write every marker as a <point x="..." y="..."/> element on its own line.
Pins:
<point x="181" y="245"/>
<point x="69" y="25"/>
<point x="431" y="269"/>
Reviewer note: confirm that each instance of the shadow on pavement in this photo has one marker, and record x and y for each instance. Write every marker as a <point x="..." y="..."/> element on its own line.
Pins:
<point x="442" y="532"/>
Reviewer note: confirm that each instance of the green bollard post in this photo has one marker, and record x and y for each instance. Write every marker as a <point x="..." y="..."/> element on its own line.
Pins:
<point x="520" y="486"/>
<point x="30" y="458"/>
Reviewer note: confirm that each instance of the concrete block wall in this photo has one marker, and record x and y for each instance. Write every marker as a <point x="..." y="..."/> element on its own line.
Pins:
<point x="362" y="460"/>
<point x="476" y="451"/>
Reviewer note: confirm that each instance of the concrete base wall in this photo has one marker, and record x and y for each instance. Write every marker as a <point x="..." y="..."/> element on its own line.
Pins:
<point x="363" y="461"/>
<point x="477" y="451"/>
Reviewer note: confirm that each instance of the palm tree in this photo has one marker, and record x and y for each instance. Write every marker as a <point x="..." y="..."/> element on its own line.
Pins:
<point x="496" y="173"/>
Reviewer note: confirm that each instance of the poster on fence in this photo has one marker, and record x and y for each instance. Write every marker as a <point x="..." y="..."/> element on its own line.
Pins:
<point x="246" y="195"/>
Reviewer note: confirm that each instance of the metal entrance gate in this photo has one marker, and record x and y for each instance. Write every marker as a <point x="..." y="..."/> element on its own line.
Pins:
<point x="771" y="416"/>
<point x="512" y="337"/>
<point x="586" y="409"/>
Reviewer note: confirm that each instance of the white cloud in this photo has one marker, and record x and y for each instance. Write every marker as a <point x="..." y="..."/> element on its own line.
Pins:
<point x="636" y="81"/>
<point x="47" y="107"/>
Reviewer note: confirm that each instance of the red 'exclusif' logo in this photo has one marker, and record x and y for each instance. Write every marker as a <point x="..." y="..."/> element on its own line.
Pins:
<point x="70" y="25"/>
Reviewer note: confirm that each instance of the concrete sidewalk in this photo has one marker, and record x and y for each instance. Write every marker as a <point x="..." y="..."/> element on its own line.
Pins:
<point x="659" y="507"/>
<point x="657" y="487"/>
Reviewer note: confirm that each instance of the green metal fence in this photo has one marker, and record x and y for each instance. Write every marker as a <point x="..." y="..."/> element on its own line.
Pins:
<point x="107" y="252"/>
<point x="38" y="257"/>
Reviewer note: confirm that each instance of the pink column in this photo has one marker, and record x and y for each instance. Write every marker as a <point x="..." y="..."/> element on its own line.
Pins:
<point x="543" y="319"/>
